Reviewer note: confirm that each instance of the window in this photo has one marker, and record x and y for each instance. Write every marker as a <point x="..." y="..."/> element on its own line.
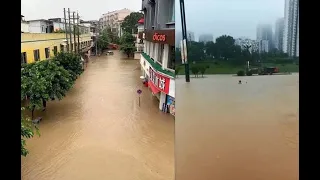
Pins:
<point x="161" y="52"/>
<point x="23" y="58"/>
<point x="171" y="58"/>
<point x="55" y="50"/>
<point x="61" y="48"/>
<point x="47" y="52"/>
<point x="172" y="11"/>
<point x="36" y="55"/>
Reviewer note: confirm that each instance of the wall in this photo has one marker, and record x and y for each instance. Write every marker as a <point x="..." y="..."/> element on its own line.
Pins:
<point x="32" y="41"/>
<point x="35" y="27"/>
<point x="57" y="26"/>
<point x="24" y="27"/>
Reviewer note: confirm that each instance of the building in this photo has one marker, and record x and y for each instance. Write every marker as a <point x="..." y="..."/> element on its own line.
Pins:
<point x="54" y="24"/>
<point x="264" y="32"/>
<point x="206" y="38"/>
<point x="41" y="46"/>
<point x="291" y="28"/>
<point x="113" y="20"/>
<point x="93" y="28"/>
<point x="278" y="34"/>
<point x="24" y="25"/>
<point x="157" y="59"/>
<point x="190" y="37"/>
<point x="263" y="46"/>
<point x="139" y="42"/>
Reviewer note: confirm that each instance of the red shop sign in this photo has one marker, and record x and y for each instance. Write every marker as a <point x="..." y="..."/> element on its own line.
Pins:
<point x="159" y="81"/>
<point x="159" y="37"/>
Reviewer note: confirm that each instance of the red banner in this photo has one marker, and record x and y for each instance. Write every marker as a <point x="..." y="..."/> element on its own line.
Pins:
<point x="159" y="81"/>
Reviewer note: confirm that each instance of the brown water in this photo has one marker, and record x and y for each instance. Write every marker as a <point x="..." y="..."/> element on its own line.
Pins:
<point x="228" y="131"/>
<point x="98" y="131"/>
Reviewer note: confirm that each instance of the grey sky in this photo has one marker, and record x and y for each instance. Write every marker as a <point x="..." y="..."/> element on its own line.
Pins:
<point x="88" y="9"/>
<point x="238" y="18"/>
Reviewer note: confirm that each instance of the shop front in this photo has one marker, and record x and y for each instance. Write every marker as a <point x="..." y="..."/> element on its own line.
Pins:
<point x="160" y="86"/>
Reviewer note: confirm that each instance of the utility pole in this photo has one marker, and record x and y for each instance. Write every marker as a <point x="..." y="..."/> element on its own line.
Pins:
<point x="65" y="28"/>
<point x="184" y="37"/>
<point x="70" y="47"/>
<point x="78" y="33"/>
<point x="74" y="33"/>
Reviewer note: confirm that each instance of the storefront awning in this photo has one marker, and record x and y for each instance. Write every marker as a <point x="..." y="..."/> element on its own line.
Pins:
<point x="153" y="88"/>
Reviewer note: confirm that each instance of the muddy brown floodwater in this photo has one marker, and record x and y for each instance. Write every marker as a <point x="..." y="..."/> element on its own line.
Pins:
<point x="98" y="131"/>
<point x="230" y="131"/>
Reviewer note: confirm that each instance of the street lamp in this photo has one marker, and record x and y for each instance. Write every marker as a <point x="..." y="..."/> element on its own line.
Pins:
<point x="185" y="39"/>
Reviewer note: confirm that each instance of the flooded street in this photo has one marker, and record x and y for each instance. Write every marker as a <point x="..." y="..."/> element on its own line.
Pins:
<point x="98" y="131"/>
<point x="230" y="131"/>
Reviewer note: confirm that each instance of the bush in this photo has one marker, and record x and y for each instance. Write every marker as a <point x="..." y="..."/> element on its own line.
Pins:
<point x="249" y="73"/>
<point x="240" y="73"/>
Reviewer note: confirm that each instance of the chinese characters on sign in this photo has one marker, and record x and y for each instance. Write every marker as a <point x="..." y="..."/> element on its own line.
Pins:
<point x="159" y="81"/>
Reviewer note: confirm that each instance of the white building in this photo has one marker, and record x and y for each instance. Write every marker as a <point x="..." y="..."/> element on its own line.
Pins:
<point x="263" y="46"/>
<point x="113" y="20"/>
<point x="264" y="32"/>
<point x="291" y="28"/>
<point x="24" y="25"/>
<point x="278" y="35"/>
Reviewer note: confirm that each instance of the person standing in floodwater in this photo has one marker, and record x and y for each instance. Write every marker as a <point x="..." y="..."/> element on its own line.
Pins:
<point x="240" y="82"/>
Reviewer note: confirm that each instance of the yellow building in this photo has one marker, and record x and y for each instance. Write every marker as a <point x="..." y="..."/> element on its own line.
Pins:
<point x="41" y="46"/>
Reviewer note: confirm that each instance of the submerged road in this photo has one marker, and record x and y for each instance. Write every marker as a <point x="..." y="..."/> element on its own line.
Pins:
<point x="98" y="131"/>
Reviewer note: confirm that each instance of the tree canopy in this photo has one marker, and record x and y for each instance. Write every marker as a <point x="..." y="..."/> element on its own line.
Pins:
<point x="129" y="23"/>
<point x="127" y="44"/>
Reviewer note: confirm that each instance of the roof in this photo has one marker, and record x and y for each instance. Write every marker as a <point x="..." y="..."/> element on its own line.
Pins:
<point x="38" y="20"/>
<point x="141" y="21"/>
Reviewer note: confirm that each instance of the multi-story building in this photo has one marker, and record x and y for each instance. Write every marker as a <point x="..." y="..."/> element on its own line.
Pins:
<point x="278" y="34"/>
<point x="205" y="38"/>
<point x="178" y="36"/>
<point x="41" y="46"/>
<point x="139" y="42"/>
<point x="264" y="32"/>
<point x="157" y="59"/>
<point x="291" y="28"/>
<point x="113" y="20"/>
<point x="263" y="46"/>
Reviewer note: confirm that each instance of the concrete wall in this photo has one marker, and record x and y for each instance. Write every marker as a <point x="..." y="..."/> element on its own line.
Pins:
<point x="33" y="41"/>
<point x="35" y="27"/>
<point x="24" y="27"/>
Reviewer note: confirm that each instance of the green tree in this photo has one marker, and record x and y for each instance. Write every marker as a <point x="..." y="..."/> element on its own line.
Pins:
<point x="225" y="46"/>
<point x="195" y="70"/>
<point x="129" y="23"/>
<point x="43" y="81"/>
<point x="71" y="62"/>
<point x="127" y="44"/>
<point x="112" y="37"/>
<point x="195" y="51"/>
<point x="202" y="69"/>
<point x="103" y="40"/>
<point x="27" y="131"/>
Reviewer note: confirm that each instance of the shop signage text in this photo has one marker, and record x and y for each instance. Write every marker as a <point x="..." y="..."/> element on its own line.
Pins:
<point x="159" y="37"/>
<point x="159" y="81"/>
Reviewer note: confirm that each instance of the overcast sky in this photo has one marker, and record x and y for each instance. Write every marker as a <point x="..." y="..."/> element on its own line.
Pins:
<point x="88" y="9"/>
<point x="238" y="18"/>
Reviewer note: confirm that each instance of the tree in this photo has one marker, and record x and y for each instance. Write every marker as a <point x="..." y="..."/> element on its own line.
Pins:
<point x="195" y="70"/>
<point x="70" y="62"/>
<point x="27" y="131"/>
<point x="129" y="23"/>
<point x="177" y="69"/>
<point x="127" y="44"/>
<point x="202" y="69"/>
<point x="225" y="46"/>
<point x="103" y="40"/>
<point x="43" y="81"/>
<point x="112" y="37"/>
<point x="195" y="51"/>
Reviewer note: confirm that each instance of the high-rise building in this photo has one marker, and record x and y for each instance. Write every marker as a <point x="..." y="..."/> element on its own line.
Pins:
<point x="205" y="38"/>
<point x="278" y="35"/>
<point x="264" y="32"/>
<point x="291" y="28"/>
<point x="178" y="37"/>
